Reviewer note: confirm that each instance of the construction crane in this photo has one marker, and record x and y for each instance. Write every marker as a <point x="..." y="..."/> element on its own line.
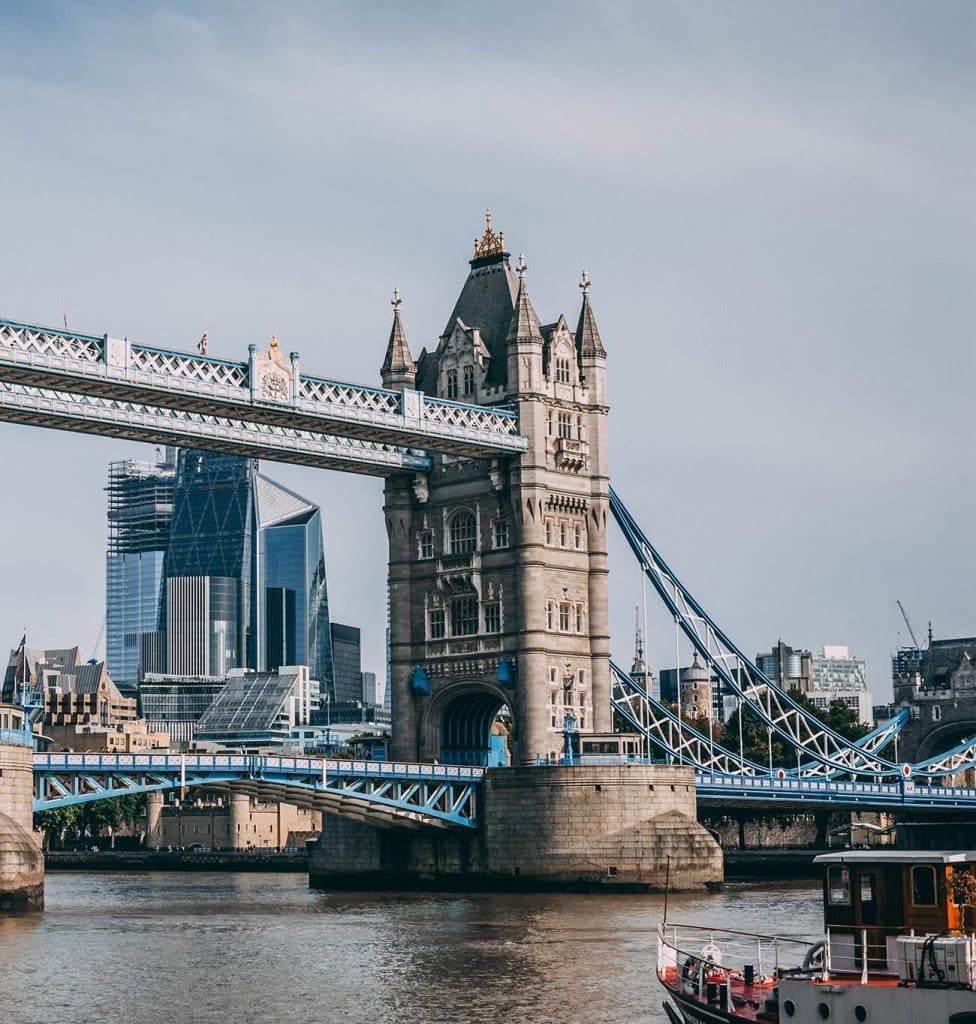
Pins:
<point x="911" y="632"/>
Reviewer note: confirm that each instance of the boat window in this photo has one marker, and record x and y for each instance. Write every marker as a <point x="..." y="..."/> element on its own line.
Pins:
<point x="839" y="884"/>
<point x="923" y="886"/>
<point x="867" y="888"/>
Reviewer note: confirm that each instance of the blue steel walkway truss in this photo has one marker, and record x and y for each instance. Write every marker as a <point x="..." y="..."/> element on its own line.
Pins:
<point x="385" y="794"/>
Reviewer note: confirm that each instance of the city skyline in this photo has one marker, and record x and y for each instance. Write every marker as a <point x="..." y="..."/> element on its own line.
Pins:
<point x="787" y="471"/>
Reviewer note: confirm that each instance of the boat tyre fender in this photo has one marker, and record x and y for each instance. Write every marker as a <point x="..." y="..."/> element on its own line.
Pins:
<point x="689" y="977"/>
<point x="813" y="961"/>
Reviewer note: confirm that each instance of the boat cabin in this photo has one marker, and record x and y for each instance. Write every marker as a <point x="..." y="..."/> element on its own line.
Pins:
<point x="872" y="896"/>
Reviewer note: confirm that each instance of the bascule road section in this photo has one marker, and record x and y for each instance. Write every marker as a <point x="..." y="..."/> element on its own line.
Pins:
<point x="265" y="406"/>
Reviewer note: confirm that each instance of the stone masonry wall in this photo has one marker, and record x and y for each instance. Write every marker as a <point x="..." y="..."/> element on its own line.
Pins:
<point x="21" y="859"/>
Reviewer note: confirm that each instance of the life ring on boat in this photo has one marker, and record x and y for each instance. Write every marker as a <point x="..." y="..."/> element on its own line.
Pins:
<point x="689" y="977"/>
<point x="814" y="959"/>
<point x="712" y="954"/>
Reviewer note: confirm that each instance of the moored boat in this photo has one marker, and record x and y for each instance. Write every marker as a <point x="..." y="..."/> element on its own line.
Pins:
<point x="897" y="948"/>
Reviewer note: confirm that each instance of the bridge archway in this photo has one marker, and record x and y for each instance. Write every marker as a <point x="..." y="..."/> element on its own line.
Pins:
<point x="461" y="721"/>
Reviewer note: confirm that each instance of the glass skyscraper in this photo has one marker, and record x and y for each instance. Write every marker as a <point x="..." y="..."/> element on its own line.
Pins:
<point x="245" y="581"/>
<point x="291" y="606"/>
<point x="140" y="508"/>
<point x="209" y="564"/>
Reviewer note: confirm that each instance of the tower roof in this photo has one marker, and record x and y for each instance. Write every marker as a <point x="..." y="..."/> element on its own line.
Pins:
<point x="588" y="340"/>
<point x="398" y="358"/>
<point x="486" y="303"/>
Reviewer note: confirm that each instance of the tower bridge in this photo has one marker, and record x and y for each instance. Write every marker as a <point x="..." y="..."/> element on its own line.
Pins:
<point x="494" y="450"/>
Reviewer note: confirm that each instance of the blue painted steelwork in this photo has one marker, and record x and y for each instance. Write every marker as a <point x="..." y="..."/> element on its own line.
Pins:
<point x="678" y="740"/>
<point x="392" y="793"/>
<point x="17" y="737"/>
<point x="772" y="705"/>
<point x="832" y="793"/>
<point x="50" y="358"/>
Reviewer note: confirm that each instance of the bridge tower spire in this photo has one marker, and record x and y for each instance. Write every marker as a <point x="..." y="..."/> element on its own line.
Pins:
<point x="498" y="567"/>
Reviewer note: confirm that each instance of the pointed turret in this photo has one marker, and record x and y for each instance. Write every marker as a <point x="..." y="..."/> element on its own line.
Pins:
<point x="524" y="325"/>
<point x="588" y="342"/>
<point x="398" y="370"/>
<point x="524" y="342"/>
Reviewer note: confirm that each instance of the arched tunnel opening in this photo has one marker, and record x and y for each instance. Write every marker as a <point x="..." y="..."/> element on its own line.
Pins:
<point x="475" y="730"/>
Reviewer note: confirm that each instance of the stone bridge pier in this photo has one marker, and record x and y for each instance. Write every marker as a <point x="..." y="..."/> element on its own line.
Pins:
<point x="582" y="828"/>
<point x="21" y="857"/>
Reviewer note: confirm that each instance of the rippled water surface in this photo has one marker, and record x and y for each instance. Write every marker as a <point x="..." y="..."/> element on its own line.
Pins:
<point x="216" y="948"/>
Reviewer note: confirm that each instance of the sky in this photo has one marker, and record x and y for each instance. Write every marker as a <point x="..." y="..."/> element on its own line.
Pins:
<point x="773" y="200"/>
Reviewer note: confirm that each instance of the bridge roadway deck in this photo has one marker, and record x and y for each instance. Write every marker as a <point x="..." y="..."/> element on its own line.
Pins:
<point x="120" y="370"/>
<point x="395" y="794"/>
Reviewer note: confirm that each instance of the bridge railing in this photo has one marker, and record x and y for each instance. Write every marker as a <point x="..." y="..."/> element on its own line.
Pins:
<point x="17" y="737"/>
<point x="52" y="357"/>
<point x="254" y="764"/>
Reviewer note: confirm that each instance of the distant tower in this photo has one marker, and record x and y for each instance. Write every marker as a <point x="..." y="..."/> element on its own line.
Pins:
<point x="696" y="691"/>
<point x="639" y="671"/>
<point x="498" y="567"/>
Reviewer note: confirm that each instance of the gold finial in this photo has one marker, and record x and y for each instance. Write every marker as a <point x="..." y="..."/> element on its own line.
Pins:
<point x="490" y="244"/>
<point x="274" y="350"/>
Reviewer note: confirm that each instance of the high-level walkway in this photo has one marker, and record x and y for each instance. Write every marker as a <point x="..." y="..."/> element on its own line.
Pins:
<point x="264" y="407"/>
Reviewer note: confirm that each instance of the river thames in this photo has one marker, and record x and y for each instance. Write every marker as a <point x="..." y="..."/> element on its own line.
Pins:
<point x="219" y="948"/>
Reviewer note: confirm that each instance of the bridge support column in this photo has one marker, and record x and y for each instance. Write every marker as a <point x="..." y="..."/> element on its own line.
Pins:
<point x="21" y="857"/>
<point x="542" y="828"/>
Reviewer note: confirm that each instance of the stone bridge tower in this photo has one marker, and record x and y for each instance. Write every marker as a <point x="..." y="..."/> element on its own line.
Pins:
<point x="498" y="568"/>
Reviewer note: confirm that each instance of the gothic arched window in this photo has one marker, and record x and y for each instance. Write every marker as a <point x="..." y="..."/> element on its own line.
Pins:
<point x="562" y="370"/>
<point x="452" y="384"/>
<point x="468" y="381"/>
<point x="463" y="533"/>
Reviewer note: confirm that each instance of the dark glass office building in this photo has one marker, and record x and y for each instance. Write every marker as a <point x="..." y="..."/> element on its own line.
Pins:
<point x="244" y="573"/>
<point x="347" y="662"/>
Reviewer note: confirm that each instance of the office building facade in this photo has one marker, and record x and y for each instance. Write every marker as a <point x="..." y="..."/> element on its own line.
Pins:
<point x="347" y="663"/>
<point x="140" y="510"/>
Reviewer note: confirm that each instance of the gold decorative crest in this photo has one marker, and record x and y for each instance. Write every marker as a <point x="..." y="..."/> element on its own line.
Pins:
<point x="489" y="244"/>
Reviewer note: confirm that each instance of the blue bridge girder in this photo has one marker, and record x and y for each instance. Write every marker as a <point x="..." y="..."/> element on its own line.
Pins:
<point x="115" y="368"/>
<point x="381" y="793"/>
<point x="731" y="790"/>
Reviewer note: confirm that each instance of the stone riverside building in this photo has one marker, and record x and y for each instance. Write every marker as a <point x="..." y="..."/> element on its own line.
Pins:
<point x="498" y="598"/>
<point x="498" y="568"/>
<point x="234" y="821"/>
<point x="21" y="859"/>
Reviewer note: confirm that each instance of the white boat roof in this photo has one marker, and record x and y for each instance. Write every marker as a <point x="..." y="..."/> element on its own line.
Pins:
<point x="897" y="857"/>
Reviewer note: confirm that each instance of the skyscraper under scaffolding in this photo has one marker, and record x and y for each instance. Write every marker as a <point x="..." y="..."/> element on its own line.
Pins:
<point x="140" y="510"/>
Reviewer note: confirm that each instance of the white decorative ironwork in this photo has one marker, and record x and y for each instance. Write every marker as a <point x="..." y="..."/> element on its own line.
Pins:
<point x="470" y="417"/>
<point x="202" y="369"/>
<point x="268" y="388"/>
<point x="314" y="390"/>
<point x="31" y="339"/>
